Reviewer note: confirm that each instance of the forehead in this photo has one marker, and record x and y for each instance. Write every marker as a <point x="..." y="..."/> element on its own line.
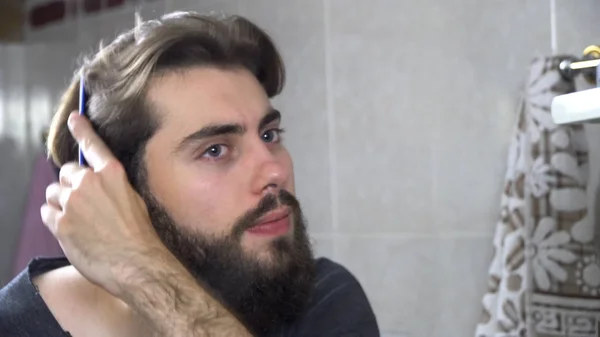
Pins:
<point x="190" y="99"/>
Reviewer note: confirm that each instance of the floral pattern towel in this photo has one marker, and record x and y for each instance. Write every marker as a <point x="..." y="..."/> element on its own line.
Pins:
<point x="544" y="279"/>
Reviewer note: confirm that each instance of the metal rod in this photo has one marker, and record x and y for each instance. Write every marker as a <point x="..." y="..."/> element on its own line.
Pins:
<point x="571" y="67"/>
<point x="579" y="65"/>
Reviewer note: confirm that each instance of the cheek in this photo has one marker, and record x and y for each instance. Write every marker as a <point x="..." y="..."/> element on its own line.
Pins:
<point x="207" y="205"/>
<point x="198" y="203"/>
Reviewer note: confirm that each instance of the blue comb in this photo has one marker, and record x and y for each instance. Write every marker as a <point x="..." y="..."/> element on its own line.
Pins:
<point x="82" y="112"/>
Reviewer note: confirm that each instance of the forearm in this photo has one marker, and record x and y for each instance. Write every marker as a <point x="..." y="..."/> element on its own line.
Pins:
<point x="166" y="295"/>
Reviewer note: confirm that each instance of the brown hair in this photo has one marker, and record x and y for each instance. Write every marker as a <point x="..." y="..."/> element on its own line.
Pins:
<point x="117" y="77"/>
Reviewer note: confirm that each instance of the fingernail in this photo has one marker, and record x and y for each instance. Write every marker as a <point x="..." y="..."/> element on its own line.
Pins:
<point x="72" y="120"/>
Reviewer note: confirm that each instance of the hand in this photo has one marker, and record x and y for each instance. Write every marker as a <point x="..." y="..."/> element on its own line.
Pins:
<point x="105" y="231"/>
<point x="101" y="223"/>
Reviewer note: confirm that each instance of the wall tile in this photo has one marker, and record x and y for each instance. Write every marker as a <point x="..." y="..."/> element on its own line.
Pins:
<point x="205" y="6"/>
<point x="424" y="106"/>
<point x="153" y="10"/>
<point x="421" y="286"/>
<point x="16" y="164"/>
<point x="577" y="25"/>
<point x="110" y="24"/>
<point x="323" y="245"/>
<point x="66" y="31"/>
<point x="300" y="39"/>
<point x="104" y="27"/>
<point x="472" y="138"/>
<point x="45" y="84"/>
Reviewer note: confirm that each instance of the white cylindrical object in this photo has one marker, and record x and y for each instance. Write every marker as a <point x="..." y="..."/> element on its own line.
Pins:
<point x="577" y="107"/>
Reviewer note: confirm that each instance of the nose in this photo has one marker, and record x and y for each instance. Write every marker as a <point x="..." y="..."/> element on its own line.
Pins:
<point x="270" y="171"/>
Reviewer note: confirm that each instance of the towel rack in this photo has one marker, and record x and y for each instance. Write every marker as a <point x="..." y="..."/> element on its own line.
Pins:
<point x="571" y="66"/>
<point x="580" y="106"/>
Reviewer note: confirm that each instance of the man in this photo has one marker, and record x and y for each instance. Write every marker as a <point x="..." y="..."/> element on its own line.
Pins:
<point x="185" y="222"/>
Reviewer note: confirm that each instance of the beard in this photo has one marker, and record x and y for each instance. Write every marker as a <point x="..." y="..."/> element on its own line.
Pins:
<point x="261" y="294"/>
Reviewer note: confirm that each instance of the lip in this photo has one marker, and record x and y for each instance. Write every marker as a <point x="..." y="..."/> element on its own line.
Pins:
<point x="274" y="216"/>
<point x="273" y="224"/>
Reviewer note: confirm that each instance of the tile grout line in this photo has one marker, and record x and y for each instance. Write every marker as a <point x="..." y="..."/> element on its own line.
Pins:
<point x="553" y="34"/>
<point x="333" y="191"/>
<point x="402" y="236"/>
<point x="3" y="95"/>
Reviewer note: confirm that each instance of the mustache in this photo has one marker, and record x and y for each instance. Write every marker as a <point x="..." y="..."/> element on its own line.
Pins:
<point x="267" y="204"/>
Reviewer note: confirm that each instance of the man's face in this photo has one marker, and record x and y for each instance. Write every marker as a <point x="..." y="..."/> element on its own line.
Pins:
<point x="220" y="191"/>
<point x="217" y="153"/>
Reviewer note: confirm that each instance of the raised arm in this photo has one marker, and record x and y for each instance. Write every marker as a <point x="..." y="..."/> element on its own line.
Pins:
<point x="105" y="231"/>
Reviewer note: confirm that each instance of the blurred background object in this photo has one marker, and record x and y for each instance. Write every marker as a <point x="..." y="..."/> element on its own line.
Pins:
<point x="12" y="20"/>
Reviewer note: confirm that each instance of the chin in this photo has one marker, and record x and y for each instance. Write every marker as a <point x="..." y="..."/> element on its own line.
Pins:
<point x="272" y="253"/>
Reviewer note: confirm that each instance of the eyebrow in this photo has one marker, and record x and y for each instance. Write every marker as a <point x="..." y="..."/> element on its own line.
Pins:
<point x="272" y="116"/>
<point x="225" y="129"/>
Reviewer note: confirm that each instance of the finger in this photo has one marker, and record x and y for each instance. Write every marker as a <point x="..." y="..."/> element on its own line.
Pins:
<point x="50" y="216"/>
<point x="64" y="197"/>
<point x="53" y="195"/>
<point x="94" y="150"/>
<point x="57" y="196"/>
<point x="68" y="173"/>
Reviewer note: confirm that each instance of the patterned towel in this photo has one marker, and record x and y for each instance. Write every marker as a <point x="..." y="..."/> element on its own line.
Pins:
<point x="544" y="279"/>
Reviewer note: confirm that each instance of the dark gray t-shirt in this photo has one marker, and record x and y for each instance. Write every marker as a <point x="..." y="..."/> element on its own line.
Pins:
<point x="339" y="306"/>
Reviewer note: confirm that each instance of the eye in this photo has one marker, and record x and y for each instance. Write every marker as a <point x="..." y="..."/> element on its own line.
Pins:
<point x="272" y="135"/>
<point x="215" y="151"/>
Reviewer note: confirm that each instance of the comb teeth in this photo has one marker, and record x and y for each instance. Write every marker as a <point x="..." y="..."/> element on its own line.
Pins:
<point x="82" y="111"/>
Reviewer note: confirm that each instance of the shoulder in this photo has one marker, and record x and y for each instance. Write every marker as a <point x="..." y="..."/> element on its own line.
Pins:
<point x="65" y="291"/>
<point x="333" y="279"/>
<point x="328" y="272"/>
<point x="16" y="299"/>
<point x="78" y="304"/>
<point x="339" y="304"/>
<point x="51" y="297"/>
<point x="67" y="295"/>
<point x="22" y="309"/>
